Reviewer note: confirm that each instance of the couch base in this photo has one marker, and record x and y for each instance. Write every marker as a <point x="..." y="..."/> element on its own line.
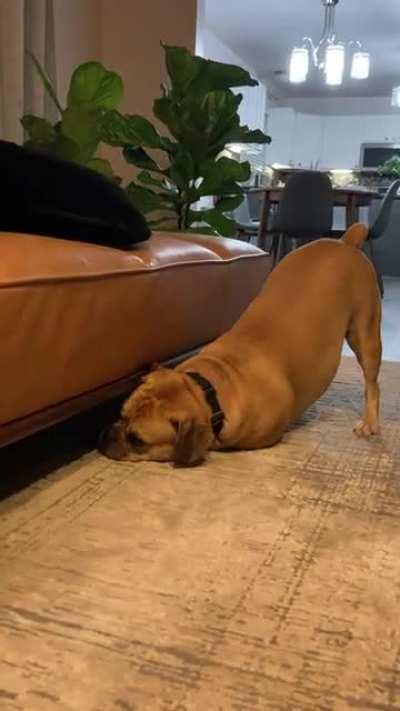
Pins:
<point x="26" y="426"/>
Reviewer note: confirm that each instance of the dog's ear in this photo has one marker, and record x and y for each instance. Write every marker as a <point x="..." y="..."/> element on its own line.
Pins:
<point x="191" y="443"/>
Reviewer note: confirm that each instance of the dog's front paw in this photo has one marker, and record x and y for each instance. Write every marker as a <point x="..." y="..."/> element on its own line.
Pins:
<point x="366" y="429"/>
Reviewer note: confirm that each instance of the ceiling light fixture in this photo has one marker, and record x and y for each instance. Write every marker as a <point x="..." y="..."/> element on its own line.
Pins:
<point x="329" y="55"/>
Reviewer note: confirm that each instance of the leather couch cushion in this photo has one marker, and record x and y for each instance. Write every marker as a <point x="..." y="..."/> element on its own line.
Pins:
<point x="74" y="316"/>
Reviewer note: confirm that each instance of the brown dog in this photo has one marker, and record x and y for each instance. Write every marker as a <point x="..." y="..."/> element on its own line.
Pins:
<point x="243" y="390"/>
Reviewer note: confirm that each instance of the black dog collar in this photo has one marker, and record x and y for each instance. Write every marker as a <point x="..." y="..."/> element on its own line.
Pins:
<point x="218" y="417"/>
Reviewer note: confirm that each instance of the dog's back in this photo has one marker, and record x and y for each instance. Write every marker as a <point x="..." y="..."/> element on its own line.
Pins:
<point x="323" y="281"/>
<point x="305" y="311"/>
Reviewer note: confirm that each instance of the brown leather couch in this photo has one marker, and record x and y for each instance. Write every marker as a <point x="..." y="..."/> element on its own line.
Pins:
<point x="78" y="321"/>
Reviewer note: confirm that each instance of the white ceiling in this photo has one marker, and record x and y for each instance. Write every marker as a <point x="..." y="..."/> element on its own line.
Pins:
<point x="262" y="33"/>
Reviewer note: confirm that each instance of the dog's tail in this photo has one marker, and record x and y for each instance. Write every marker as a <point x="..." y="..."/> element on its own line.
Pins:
<point x="356" y="235"/>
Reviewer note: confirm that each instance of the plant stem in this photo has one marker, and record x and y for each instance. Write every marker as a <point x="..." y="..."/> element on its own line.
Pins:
<point x="186" y="215"/>
<point x="179" y="210"/>
<point x="46" y="82"/>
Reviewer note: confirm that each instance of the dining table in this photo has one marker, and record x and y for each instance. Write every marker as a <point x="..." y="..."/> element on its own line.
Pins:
<point x="352" y="198"/>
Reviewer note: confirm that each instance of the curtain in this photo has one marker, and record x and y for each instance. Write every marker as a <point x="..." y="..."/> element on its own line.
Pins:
<point x="25" y="26"/>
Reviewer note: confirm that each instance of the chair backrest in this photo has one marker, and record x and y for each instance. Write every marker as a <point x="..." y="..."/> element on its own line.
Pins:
<point x="306" y="206"/>
<point x="382" y="218"/>
<point x="241" y="214"/>
<point x="255" y="203"/>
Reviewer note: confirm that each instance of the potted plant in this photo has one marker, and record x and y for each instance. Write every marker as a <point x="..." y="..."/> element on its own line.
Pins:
<point x="199" y="113"/>
<point x="76" y="136"/>
<point x="391" y="167"/>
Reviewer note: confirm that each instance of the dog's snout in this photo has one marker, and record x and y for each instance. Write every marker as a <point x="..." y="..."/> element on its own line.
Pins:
<point x="105" y="436"/>
<point x="109" y="442"/>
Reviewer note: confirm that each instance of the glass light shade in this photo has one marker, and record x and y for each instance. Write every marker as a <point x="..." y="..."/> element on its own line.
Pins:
<point x="334" y="64"/>
<point x="360" y="65"/>
<point x="299" y="63"/>
<point x="396" y="96"/>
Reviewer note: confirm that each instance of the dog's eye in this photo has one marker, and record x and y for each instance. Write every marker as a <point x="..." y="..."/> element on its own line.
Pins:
<point x="134" y="439"/>
<point x="175" y="424"/>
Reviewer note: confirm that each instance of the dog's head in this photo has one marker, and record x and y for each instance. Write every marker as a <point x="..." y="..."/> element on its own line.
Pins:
<point x="163" y="420"/>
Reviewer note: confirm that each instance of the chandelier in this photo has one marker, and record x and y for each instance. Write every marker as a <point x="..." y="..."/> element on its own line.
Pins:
<point x="329" y="55"/>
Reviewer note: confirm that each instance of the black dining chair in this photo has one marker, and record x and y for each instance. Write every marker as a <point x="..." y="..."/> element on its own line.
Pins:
<point x="305" y="212"/>
<point x="380" y="225"/>
<point x="246" y="226"/>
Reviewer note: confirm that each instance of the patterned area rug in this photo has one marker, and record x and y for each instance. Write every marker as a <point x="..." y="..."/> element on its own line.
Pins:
<point x="262" y="580"/>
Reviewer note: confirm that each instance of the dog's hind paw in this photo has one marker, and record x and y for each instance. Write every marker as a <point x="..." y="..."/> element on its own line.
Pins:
<point x="365" y="429"/>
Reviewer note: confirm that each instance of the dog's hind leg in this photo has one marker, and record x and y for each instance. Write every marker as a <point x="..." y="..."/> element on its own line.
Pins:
<point x="364" y="338"/>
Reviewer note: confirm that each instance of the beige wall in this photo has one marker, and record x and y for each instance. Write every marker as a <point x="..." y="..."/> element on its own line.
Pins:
<point x="77" y="27"/>
<point x="131" y="34"/>
<point x="125" y="35"/>
<point x="11" y="69"/>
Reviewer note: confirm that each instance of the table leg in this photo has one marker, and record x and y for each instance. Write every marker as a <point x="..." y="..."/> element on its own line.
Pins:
<point x="352" y="211"/>
<point x="262" y="232"/>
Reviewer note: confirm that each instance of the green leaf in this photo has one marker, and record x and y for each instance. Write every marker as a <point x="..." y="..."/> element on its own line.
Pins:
<point x="229" y="189"/>
<point x="114" y="130"/>
<point x="169" y="192"/>
<point x="46" y="82"/>
<point x="198" y="74"/>
<point x="81" y="125"/>
<point x="220" y="109"/>
<point x="226" y="76"/>
<point x="38" y="129"/>
<point x="221" y="172"/>
<point x="229" y="203"/>
<point x="182" y="68"/>
<point x="242" y="134"/>
<point x="92" y="84"/>
<point x="390" y="167"/>
<point x="239" y="134"/>
<point x="146" y="134"/>
<point x="129" y="130"/>
<point x="101" y="166"/>
<point x="146" y="200"/>
<point x="182" y="169"/>
<point x="65" y="148"/>
<point x="219" y="222"/>
<point x="187" y="123"/>
<point x="167" y="111"/>
<point x="221" y="106"/>
<point x="218" y="75"/>
<point x="62" y="147"/>
<point x="147" y="179"/>
<point x="139" y="158"/>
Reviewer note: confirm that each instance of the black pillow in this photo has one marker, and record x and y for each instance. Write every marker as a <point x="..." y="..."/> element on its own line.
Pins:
<point x="48" y="196"/>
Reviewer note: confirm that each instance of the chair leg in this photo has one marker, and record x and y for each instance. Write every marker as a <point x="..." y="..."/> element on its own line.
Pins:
<point x="281" y="248"/>
<point x="274" y="249"/>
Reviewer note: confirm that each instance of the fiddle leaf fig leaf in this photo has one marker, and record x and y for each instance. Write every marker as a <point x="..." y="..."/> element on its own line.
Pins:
<point x="224" y="171"/>
<point x="214" y="218"/>
<point x="38" y="129"/>
<point x="129" y="130"/>
<point x="92" y="84"/>
<point x="146" y="200"/>
<point x="139" y="158"/>
<point x="182" y="68"/>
